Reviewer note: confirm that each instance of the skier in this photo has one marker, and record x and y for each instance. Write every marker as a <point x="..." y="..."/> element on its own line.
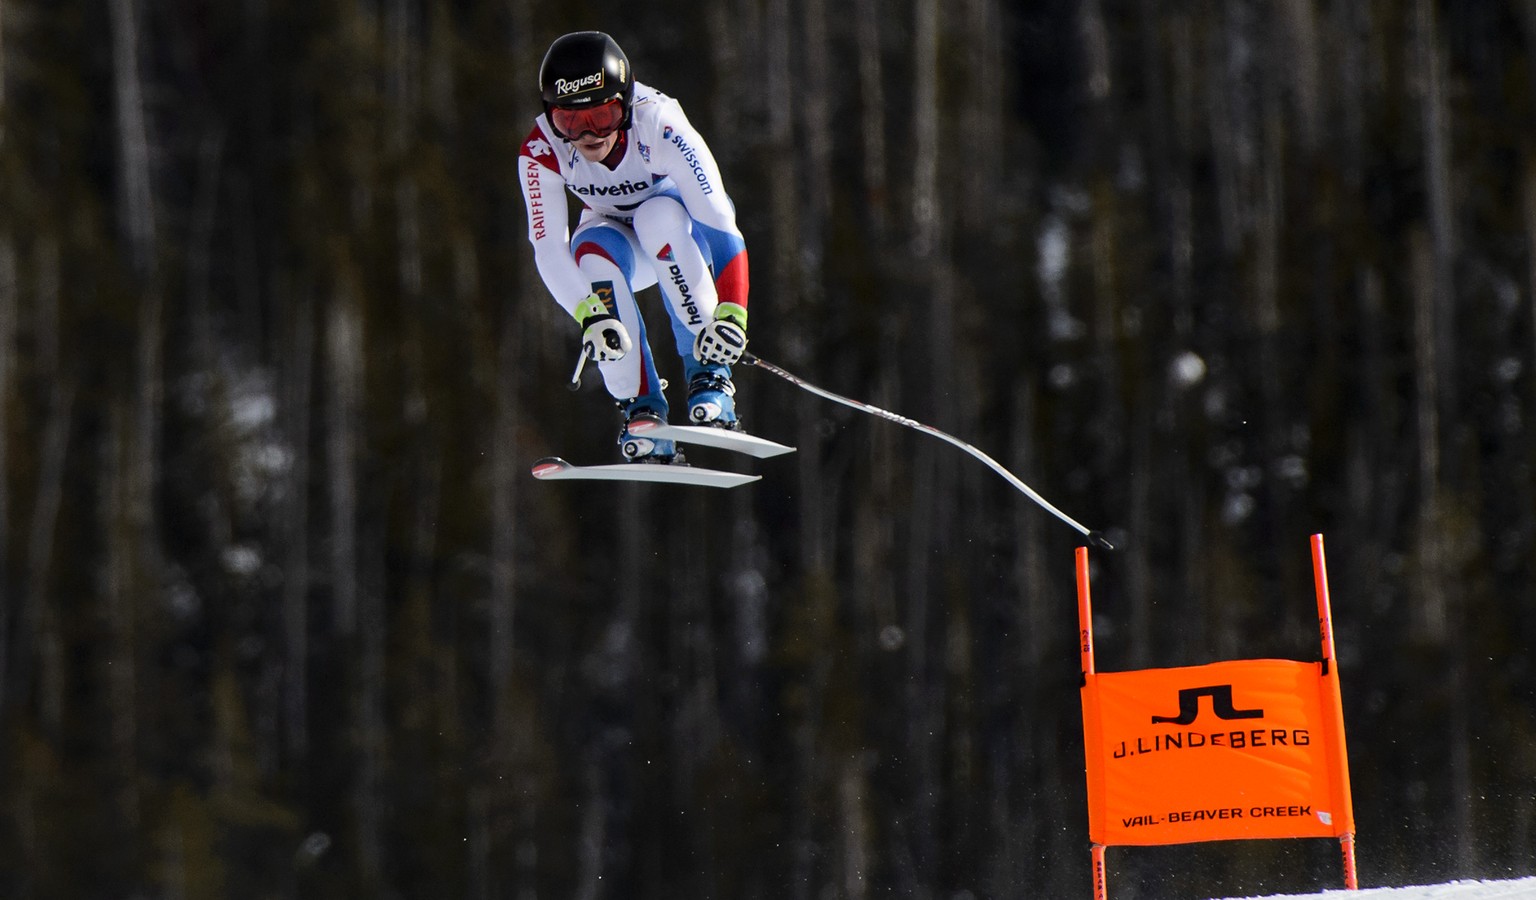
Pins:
<point x="655" y="212"/>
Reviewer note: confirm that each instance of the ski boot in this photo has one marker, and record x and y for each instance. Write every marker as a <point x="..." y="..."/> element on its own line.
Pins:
<point x="711" y="400"/>
<point x="640" y="449"/>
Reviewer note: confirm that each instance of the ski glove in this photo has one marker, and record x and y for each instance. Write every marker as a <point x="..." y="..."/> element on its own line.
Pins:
<point x="603" y="337"/>
<point x="724" y="339"/>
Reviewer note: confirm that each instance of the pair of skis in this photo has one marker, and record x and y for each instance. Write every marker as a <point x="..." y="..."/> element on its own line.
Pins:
<point x="553" y="468"/>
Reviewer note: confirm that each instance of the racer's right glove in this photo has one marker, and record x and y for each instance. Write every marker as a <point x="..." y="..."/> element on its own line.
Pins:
<point x="603" y="337"/>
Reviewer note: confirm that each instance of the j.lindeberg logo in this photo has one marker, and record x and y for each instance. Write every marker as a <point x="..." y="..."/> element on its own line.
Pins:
<point x="1246" y="738"/>
<point x="1221" y="705"/>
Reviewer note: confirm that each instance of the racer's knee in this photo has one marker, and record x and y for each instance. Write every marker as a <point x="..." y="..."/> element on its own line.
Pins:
<point x="660" y="221"/>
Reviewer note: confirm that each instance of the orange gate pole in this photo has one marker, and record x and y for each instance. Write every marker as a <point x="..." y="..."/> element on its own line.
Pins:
<point x="1330" y="667"/>
<point x="1085" y="634"/>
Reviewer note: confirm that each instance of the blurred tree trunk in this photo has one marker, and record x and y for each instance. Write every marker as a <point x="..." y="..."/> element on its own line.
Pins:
<point x="814" y="89"/>
<point x="787" y="267"/>
<point x="984" y="117"/>
<point x="981" y="356"/>
<point x="412" y="659"/>
<point x="875" y="521"/>
<point x="1526" y="637"/>
<point x="1429" y="258"/>
<point x="786" y="272"/>
<point x="1171" y="129"/>
<point x="1362" y="408"/>
<point x="132" y="528"/>
<point x="41" y="641"/>
<point x="1267" y="271"/>
<point x="135" y="200"/>
<point x="42" y="628"/>
<point x="506" y="467"/>
<point x="199" y="262"/>
<point x="505" y="857"/>
<point x="691" y="661"/>
<point x="370" y="805"/>
<point x="821" y="760"/>
<point x="1528" y="198"/>
<point x="871" y="91"/>
<point x="1429" y="616"/>
<point x="1231" y="143"/>
<point x="403" y="68"/>
<point x="11" y="602"/>
<point x="11" y="598"/>
<point x="118" y="591"/>
<point x="616" y="668"/>
<point x="344" y="396"/>
<point x="1030" y="754"/>
<point x="297" y="398"/>
<point x="344" y="372"/>
<point x="1523" y="832"/>
<point x="1300" y="46"/>
<point x="1444" y="546"/>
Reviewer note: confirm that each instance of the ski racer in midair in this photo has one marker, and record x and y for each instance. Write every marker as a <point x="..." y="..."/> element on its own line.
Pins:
<point x="655" y="212"/>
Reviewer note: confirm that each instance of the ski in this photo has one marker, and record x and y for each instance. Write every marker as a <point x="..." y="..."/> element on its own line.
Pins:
<point x="705" y="436"/>
<point x="553" y="468"/>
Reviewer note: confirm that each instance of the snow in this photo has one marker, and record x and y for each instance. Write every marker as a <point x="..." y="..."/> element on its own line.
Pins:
<point x="1457" y="890"/>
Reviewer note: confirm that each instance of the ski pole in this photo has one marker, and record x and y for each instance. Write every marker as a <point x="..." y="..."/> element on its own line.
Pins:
<point x="581" y="363"/>
<point x="1095" y="538"/>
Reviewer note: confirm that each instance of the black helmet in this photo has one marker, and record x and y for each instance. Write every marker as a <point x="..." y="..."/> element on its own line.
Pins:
<point x="586" y="68"/>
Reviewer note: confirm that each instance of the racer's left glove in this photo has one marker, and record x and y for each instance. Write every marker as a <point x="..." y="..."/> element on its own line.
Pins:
<point x="724" y="339"/>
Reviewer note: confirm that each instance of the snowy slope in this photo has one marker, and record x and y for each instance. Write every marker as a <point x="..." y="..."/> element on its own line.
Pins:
<point x="1519" y="889"/>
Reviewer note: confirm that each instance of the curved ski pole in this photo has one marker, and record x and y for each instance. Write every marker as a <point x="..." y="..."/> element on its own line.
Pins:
<point x="581" y="363"/>
<point x="1094" y="537"/>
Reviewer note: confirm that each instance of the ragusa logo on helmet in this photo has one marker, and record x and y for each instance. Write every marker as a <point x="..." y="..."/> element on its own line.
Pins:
<point x="565" y="86"/>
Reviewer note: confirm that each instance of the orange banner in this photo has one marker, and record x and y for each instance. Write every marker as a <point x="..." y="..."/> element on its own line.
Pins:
<point x="1229" y="750"/>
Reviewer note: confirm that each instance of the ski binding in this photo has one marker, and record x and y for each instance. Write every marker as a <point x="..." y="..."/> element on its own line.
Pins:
<point x="706" y="436"/>
<point x="553" y="468"/>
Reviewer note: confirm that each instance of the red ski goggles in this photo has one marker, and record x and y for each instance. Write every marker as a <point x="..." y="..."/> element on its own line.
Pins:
<point x="601" y="120"/>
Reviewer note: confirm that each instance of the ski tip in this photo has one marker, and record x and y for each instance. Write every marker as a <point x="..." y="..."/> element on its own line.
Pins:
<point x="1097" y="539"/>
<point x="549" y="465"/>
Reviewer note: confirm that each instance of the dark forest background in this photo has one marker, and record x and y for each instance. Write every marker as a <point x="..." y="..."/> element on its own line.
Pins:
<point x="284" y="614"/>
